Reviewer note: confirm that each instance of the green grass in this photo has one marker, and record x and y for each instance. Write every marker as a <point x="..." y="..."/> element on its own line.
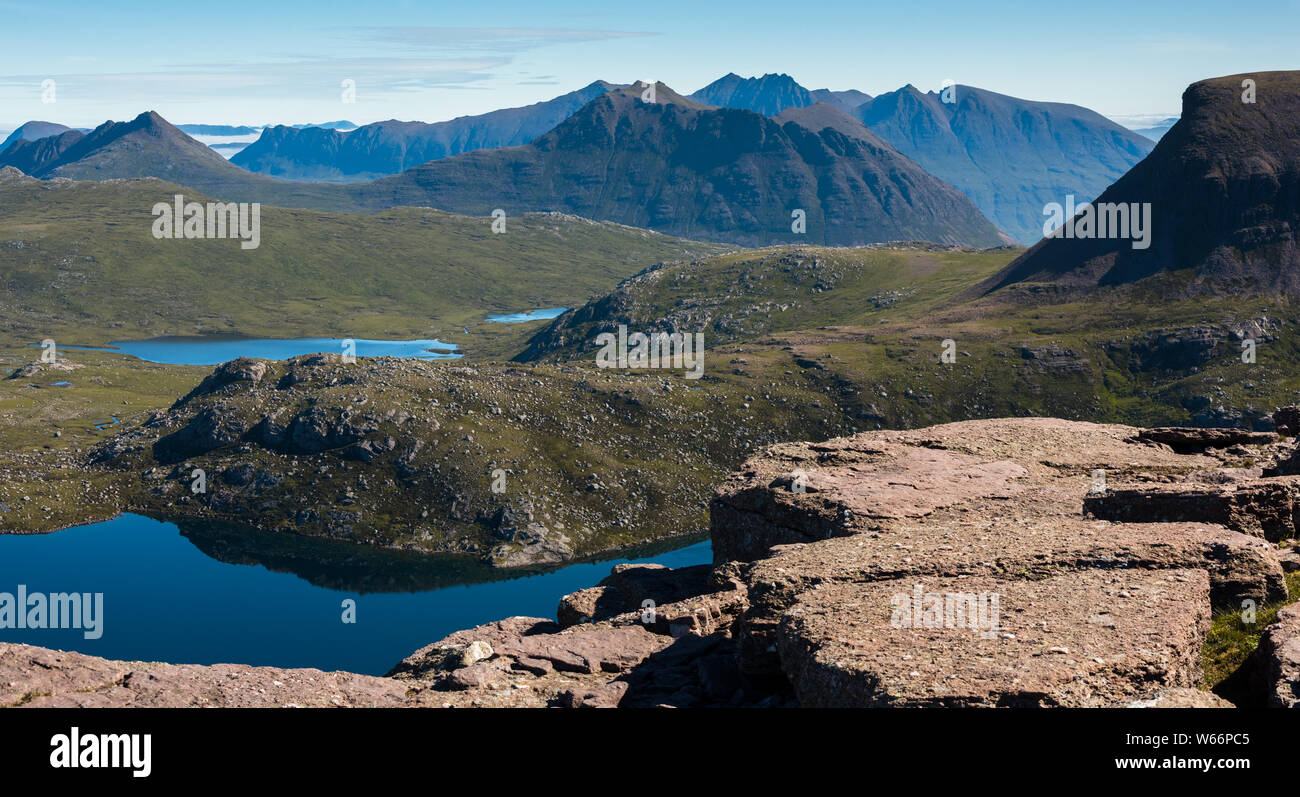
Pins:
<point x="45" y="431"/>
<point x="78" y="263"/>
<point x="873" y="321"/>
<point x="1231" y="641"/>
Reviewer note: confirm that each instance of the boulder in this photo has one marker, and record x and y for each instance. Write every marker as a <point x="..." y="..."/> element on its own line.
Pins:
<point x="628" y="587"/>
<point x="1287" y="421"/>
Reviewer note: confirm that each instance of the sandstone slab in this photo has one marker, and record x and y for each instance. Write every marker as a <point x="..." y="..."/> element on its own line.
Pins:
<point x="1091" y="638"/>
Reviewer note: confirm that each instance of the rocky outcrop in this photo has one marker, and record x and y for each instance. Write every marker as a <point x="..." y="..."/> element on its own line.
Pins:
<point x="37" y="367"/>
<point x="833" y="531"/>
<point x="1264" y="507"/>
<point x="1276" y="662"/>
<point x="40" y="678"/>
<point x="425" y="457"/>
<point x="1186" y="440"/>
<point x="947" y="566"/>
<point x="633" y="588"/>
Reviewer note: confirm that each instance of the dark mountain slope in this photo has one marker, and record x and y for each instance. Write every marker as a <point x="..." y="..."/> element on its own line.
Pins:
<point x="1011" y="156"/>
<point x="1224" y="188"/>
<point x="711" y="173"/>
<point x="32" y="156"/>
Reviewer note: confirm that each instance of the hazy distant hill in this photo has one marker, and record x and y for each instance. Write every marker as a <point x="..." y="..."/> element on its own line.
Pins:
<point x="1224" y="189"/>
<point x="846" y="101"/>
<point x="768" y="95"/>
<point x="218" y="130"/>
<point x="1011" y="156"/>
<point x="1157" y="130"/>
<point x="683" y="168"/>
<point x="149" y="146"/>
<point x="384" y="148"/>
<point x="33" y="131"/>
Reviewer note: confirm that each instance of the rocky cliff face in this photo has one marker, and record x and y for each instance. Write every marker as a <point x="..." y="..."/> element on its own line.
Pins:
<point x="1224" y="190"/>
<point x="1097" y="553"/>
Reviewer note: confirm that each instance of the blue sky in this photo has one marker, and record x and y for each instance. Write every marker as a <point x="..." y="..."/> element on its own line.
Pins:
<point x="284" y="61"/>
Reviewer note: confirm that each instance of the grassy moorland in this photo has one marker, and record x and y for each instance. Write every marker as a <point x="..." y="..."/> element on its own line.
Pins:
<point x="868" y="325"/>
<point x="79" y="263"/>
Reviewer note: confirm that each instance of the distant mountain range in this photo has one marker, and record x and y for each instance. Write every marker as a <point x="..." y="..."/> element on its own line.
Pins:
<point x="1011" y="157"/>
<point x="673" y="166"/>
<point x="384" y="148"/>
<point x="1157" y="130"/>
<point x="149" y="146"/>
<point x="687" y="169"/>
<point x="1223" y="187"/>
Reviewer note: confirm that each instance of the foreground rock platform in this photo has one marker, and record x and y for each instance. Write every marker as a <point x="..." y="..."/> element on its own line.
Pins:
<point x="1009" y="562"/>
<point x="1090" y="638"/>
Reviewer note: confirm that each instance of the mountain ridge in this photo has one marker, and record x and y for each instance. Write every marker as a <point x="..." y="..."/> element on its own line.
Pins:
<point x="1011" y="156"/>
<point x="701" y="172"/>
<point x="390" y="147"/>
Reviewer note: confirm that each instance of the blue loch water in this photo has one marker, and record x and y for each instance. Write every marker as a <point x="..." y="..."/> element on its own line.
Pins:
<point x="531" y="315"/>
<point x="217" y="349"/>
<point x="204" y="593"/>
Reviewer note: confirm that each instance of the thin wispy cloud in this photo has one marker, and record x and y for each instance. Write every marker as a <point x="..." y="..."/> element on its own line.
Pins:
<point x="498" y="40"/>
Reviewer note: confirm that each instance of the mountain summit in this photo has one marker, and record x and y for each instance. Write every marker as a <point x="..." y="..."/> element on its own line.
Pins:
<point x="146" y="145"/>
<point x="768" y="95"/>
<point x="771" y="94"/>
<point x="1224" y="190"/>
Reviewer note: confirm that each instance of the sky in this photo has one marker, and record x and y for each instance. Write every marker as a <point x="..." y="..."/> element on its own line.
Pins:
<point x="285" y="61"/>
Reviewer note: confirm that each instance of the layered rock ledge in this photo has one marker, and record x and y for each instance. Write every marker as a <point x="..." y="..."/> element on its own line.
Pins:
<point x="1010" y="562"/>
